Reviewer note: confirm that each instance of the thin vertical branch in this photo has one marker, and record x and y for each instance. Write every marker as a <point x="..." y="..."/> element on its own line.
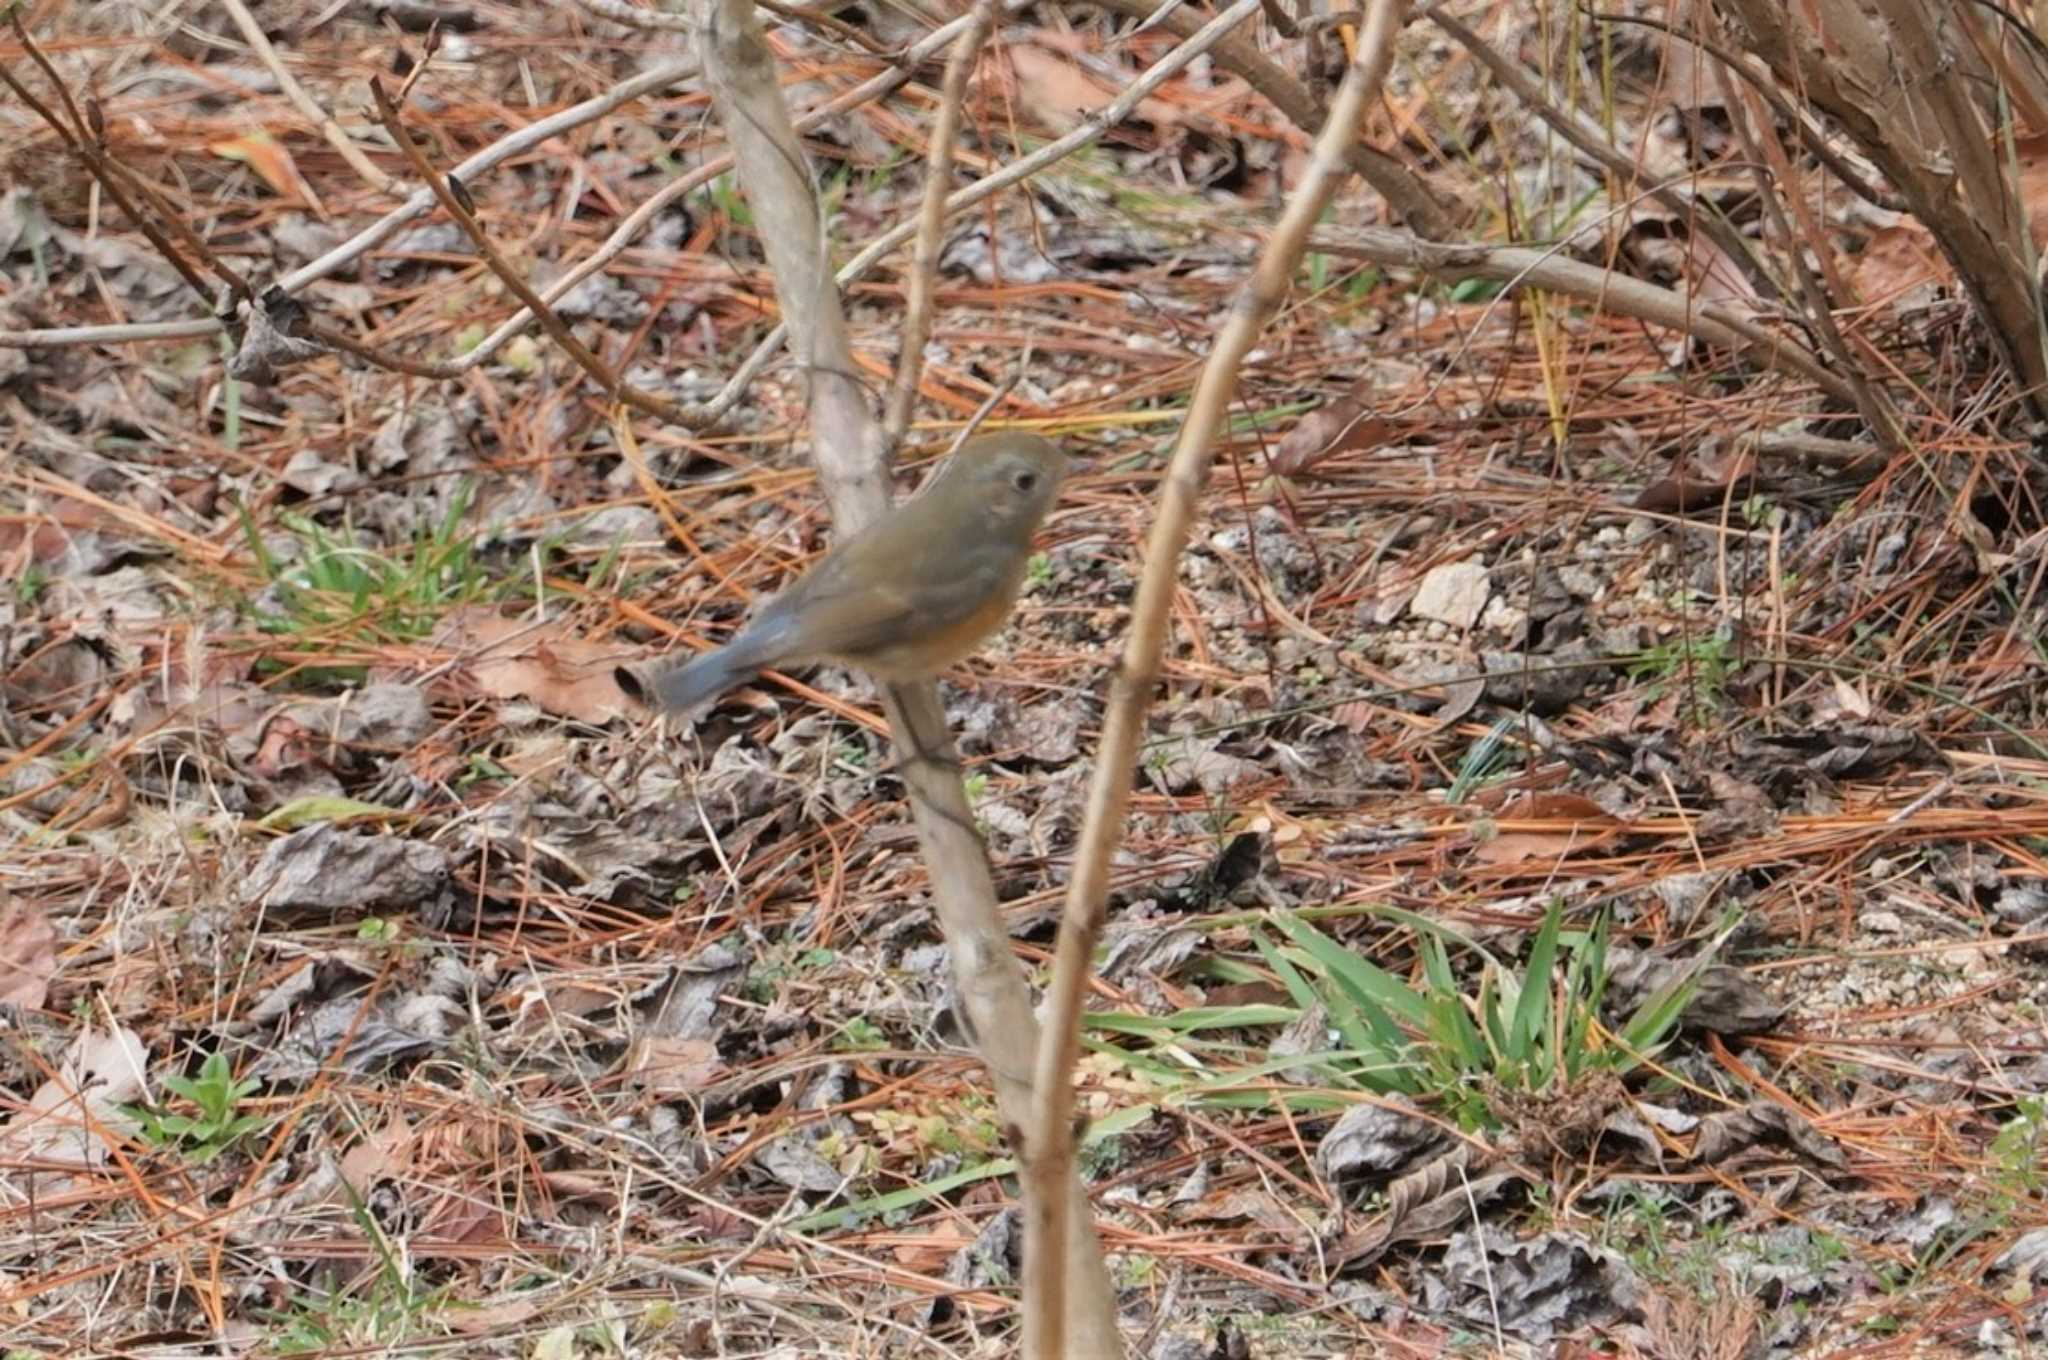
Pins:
<point x="924" y="259"/>
<point x="847" y="444"/>
<point x="1048" y="1152"/>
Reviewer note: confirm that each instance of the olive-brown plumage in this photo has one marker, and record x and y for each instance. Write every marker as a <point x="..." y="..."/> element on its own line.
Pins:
<point x="912" y="593"/>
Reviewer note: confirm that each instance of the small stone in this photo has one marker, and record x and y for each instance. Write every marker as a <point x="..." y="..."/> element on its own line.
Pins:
<point x="1546" y="684"/>
<point x="1581" y="581"/>
<point x="1453" y="593"/>
<point x="1506" y="619"/>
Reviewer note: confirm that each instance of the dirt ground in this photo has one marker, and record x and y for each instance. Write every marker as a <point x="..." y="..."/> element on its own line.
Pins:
<point x="382" y="979"/>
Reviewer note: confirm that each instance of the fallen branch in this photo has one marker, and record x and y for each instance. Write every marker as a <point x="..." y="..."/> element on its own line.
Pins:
<point x="1523" y="267"/>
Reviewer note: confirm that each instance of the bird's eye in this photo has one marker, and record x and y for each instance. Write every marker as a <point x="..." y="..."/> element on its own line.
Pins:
<point x="1024" y="479"/>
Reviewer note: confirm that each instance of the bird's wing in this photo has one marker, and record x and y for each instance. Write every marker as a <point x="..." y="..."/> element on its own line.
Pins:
<point x="864" y="602"/>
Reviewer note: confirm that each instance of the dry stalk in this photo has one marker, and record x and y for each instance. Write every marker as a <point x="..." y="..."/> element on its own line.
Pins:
<point x="924" y="257"/>
<point x="363" y="242"/>
<point x="1579" y="130"/>
<point x="649" y="20"/>
<point x="622" y="236"/>
<point x="85" y="140"/>
<point x="1760" y="143"/>
<point x="1812" y="135"/>
<point x="1047" y="1156"/>
<point x="2024" y="81"/>
<point x="1420" y="206"/>
<point x="454" y="199"/>
<point x="275" y="331"/>
<point x="1524" y="267"/>
<point x="252" y="32"/>
<point x="629" y="230"/>
<point x="1884" y="74"/>
<point x="847" y="443"/>
<point x="1206" y="37"/>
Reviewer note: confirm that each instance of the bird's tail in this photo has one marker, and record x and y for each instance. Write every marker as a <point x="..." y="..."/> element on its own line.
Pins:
<point x="703" y="679"/>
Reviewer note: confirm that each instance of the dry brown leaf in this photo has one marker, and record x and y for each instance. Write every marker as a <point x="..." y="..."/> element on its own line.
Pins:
<point x="674" y="1067"/>
<point x="1286" y="830"/>
<point x="1338" y="427"/>
<point x="285" y="746"/>
<point x="1556" y="804"/>
<point x="1710" y="485"/>
<point x="1661" y="714"/>
<point x="482" y="1318"/>
<point x="1246" y="994"/>
<point x="28" y="954"/>
<point x="273" y="164"/>
<point x="545" y="1002"/>
<point x="926" y="1248"/>
<point x="1061" y="93"/>
<point x="546" y="663"/>
<point x="457" y="1217"/>
<point x="1618" y="716"/>
<point x="538" y="754"/>
<point x="72" y="1118"/>
<point x="1358" y="716"/>
<point x="1743" y="809"/>
<point x="1852" y="700"/>
<point x="45" y="542"/>
<point x="1763" y="1123"/>
<point x="384" y="1155"/>
<point x="717" y="1223"/>
<point x="2032" y="156"/>
<point x="1898" y="260"/>
<point x="581" y="1185"/>
<point x="1239" y="1203"/>
<point x="1583" y="824"/>
<point x="1717" y="279"/>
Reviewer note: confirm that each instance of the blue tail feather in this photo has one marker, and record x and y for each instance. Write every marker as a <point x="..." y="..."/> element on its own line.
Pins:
<point x="709" y="676"/>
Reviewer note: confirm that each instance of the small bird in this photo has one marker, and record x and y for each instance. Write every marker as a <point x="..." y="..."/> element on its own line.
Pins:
<point x="910" y="594"/>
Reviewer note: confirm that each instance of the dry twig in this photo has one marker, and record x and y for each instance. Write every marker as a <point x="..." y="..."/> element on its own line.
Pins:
<point x="1049" y="1147"/>
<point x="1522" y="267"/>
<point x="924" y="258"/>
<point x="304" y="102"/>
<point x="847" y="444"/>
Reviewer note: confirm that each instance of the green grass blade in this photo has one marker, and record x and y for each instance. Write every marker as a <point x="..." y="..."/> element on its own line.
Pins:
<point x="1531" y="1006"/>
<point x="1367" y="981"/>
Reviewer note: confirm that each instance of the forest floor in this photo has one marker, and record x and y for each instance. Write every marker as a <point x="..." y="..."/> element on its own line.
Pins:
<point x="385" y="981"/>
